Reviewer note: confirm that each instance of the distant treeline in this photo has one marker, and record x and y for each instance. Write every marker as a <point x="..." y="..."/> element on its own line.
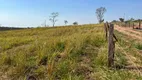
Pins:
<point x="9" y="28"/>
<point x="129" y="20"/>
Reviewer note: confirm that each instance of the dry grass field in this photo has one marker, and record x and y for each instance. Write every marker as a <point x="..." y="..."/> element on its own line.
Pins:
<point x="67" y="53"/>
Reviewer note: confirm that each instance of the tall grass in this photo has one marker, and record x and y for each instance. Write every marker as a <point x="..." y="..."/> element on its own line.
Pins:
<point x="61" y="53"/>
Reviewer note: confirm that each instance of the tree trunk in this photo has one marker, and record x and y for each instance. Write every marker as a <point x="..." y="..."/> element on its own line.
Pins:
<point x="139" y="24"/>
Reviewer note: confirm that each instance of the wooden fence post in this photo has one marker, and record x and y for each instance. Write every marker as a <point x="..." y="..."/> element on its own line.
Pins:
<point x="139" y="24"/>
<point x="106" y="31"/>
<point x="133" y="25"/>
<point x="111" y="45"/>
<point x="129" y="24"/>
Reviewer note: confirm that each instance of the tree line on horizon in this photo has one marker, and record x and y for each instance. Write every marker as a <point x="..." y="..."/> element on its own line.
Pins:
<point x="129" y="20"/>
<point x="99" y="13"/>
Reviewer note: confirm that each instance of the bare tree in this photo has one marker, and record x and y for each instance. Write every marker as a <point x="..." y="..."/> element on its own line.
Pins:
<point x="100" y="14"/>
<point x="65" y="21"/>
<point x="53" y="18"/>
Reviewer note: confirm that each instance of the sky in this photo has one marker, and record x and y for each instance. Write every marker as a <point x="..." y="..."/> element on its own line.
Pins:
<point x="33" y="13"/>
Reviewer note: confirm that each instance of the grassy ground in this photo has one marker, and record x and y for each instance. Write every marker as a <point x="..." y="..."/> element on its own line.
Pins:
<point x="64" y="53"/>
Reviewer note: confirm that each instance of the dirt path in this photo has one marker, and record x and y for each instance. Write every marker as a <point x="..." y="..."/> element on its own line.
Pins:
<point x="129" y="32"/>
<point x="131" y="59"/>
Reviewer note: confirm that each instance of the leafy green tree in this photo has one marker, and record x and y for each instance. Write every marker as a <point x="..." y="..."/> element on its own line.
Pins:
<point x="75" y="23"/>
<point x="132" y="19"/>
<point x="65" y="21"/>
<point x="121" y="19"/>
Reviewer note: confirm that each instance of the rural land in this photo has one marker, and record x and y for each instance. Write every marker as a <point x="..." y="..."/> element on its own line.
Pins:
<point x="105" y="50"/>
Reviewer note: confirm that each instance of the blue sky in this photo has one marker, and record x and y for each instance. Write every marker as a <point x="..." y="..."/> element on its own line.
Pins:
<point x="23" y="13"/>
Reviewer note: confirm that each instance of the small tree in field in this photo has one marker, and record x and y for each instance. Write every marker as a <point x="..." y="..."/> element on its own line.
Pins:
<point x="132" y="19"/>
<point x="114" y="21"/>
<point x="65" y="21"/>
<point x="53" y="18"/>
<point x="75" y="23"/>
<point x="100" y="14"/>
<point x="121" y="19"/>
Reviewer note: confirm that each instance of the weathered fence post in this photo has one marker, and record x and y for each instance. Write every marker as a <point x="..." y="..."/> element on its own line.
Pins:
<point x="129" y="24"/>
<point x="106" y="31"/>
<point x="110" y="36"/>
<point x="139" y="24"/>
<point x="111" y="45"/>
<point x="133" y="25"/>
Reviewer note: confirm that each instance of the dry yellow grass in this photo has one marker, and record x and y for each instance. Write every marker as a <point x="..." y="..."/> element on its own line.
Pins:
<point x="64" y="53"/>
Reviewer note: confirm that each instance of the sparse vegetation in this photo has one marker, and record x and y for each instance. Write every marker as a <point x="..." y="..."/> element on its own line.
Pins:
<point x="138" y="46"/>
